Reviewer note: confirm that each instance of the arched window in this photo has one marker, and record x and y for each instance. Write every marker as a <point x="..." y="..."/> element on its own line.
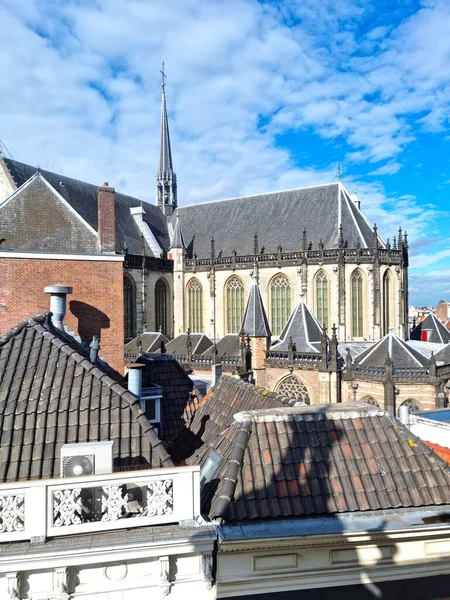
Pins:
<point x="195" y="306"/>
<point x="161" y="306"/>
<point x="369" y="400"/>
<point x="357" y="304"/>
<point x="387" y="300"/>
<point x="322" y="298"/>
<point x="293" y="387"/>
<point x="129" y="306"/>
<point x="235" y="304"/>
<point x="280" y="303"/>
<point x="412" y="404"/>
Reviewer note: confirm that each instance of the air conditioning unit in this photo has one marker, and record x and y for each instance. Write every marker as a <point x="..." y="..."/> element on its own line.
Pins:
<point x="90" y="458"/>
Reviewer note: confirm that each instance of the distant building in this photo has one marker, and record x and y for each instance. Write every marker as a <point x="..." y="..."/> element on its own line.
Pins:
<point x="135" y="267"/>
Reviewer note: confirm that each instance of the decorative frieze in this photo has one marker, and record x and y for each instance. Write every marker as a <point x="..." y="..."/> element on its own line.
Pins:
<point x="114" y="502"/>
<point x="12" y="513"/>
<point x="68" y="508"/>
<point x="160" y="497"/>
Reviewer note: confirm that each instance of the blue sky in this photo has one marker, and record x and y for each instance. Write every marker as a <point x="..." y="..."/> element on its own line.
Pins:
<point x="262" y="96"/>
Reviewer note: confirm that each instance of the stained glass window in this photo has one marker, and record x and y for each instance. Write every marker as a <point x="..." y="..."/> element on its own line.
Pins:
<point x="161" y="306"/>
<point x="129" y="306"/>
<point x="369" y="400"/>
<point x="280" y="303"/>
<point x="387" y="297"/>
<point x="357" y="304"/>
<point x="195" y="306"/>
<point x="235" y="304"/>
<point x="412" y="404"/>
<point x="322" y="298"/>
<point x="293" y="387"/>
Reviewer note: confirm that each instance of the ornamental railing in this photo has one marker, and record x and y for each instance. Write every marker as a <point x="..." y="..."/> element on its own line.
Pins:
<point x="229" y="363"/>
<point x="349" y="255"/>
<point x="138" y="261"/>
<point x="305" y="360"/>
<point x="35" y="510"/>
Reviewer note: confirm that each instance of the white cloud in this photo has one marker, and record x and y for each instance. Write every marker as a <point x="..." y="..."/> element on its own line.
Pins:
<point x="80" y="95"/>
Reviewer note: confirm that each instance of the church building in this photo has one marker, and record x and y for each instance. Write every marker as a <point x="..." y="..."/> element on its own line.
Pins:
<point x="140" y="267"/>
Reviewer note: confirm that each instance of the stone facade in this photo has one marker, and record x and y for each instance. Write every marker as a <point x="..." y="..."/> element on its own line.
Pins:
<point x="301" y="272"/>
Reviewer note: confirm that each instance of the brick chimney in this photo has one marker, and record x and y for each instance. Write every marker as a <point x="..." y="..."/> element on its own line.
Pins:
<point x="106" y="218"/>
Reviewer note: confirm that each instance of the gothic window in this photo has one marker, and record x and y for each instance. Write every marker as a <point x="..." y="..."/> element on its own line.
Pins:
<point x="322" y="298"/>
<point x="293" y="387"/>
<point x="161" y="306"/>
<point x="280" y="303"/>
<point x="357" y="304"/>
<point x="235" y="304"/>
<point x="387" y="302"/>
<point x="369" y="400"/>
<point x="195" y="306"/>
<point x="412" y="404"/>
<point x="129" y="306"/>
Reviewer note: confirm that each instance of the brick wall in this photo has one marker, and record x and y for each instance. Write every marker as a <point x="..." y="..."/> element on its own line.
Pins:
<point x="94" y="307"/>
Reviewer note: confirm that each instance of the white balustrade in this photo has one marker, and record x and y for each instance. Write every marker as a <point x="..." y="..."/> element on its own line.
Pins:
<point x="53" y="507"/>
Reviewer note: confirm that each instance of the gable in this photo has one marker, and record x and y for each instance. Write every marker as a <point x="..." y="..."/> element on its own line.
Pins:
<point x="36" y="219"/>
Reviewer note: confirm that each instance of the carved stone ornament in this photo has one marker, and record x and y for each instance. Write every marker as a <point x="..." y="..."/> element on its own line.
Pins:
<point x="13" y="580"/>
<point x="68" y="507"/>
<point x="61" y="582"/>
<point x="160" y="497"/>
<point x="113" y="502"/>
<point x="164" y="572"/>
<point x="207" y="569"/>
<point x="12" y="513"/>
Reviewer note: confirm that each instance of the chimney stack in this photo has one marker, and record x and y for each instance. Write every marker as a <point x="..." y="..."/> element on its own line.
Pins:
<point x="135" y="379"/>
<point x="106" y="218"/>
<point x="58" y="300"/>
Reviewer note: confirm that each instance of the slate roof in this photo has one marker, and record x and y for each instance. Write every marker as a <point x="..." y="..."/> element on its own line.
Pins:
<point x="165" y="166"/>
<point x="150" y="340"/>
<point x="177" y="240"/>
<point x="83" y="198"/>
<point x="229" y="345"/>
<point x="437" y="332"/>
<point x="304" y="329"/>
<point x="200" y="343"/>
<point x="403" y="355"/>
<point x="30" y="218"/>
<point x="326" y="459"/>
<point x="50" y="394"/>
<point x="177" y="407"/>
<point x="278" y="218"/>
<point x="216" y="410"/>
<point x="255" y="322"/>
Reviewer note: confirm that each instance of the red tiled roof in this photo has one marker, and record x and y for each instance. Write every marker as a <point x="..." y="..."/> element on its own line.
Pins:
<point x="441" y="451"/>
<point x="323" y="459"/>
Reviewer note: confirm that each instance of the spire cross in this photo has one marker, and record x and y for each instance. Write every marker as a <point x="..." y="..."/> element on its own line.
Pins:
<point x="163" y="76"/>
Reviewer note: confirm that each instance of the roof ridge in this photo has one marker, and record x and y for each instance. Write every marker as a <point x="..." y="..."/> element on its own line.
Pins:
<point x="307" y="187"/>
<point x="29" y="322"/>
<point x="228" y="482"/>
<point x="43" y="171"/>
<point x="430" y="454"/>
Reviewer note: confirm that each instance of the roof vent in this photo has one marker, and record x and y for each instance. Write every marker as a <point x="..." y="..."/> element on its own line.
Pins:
<point x="91" y="458"/>
<point x="58" y="302"/>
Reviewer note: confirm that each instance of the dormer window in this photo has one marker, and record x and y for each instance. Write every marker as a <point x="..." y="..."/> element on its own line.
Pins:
<point x="150" y="401"/>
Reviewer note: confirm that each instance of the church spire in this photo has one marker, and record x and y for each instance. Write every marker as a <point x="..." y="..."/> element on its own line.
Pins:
<point x="166" y="180"/>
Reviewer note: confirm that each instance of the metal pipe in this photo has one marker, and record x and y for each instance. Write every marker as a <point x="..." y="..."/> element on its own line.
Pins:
<point x="58" y="303"/>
